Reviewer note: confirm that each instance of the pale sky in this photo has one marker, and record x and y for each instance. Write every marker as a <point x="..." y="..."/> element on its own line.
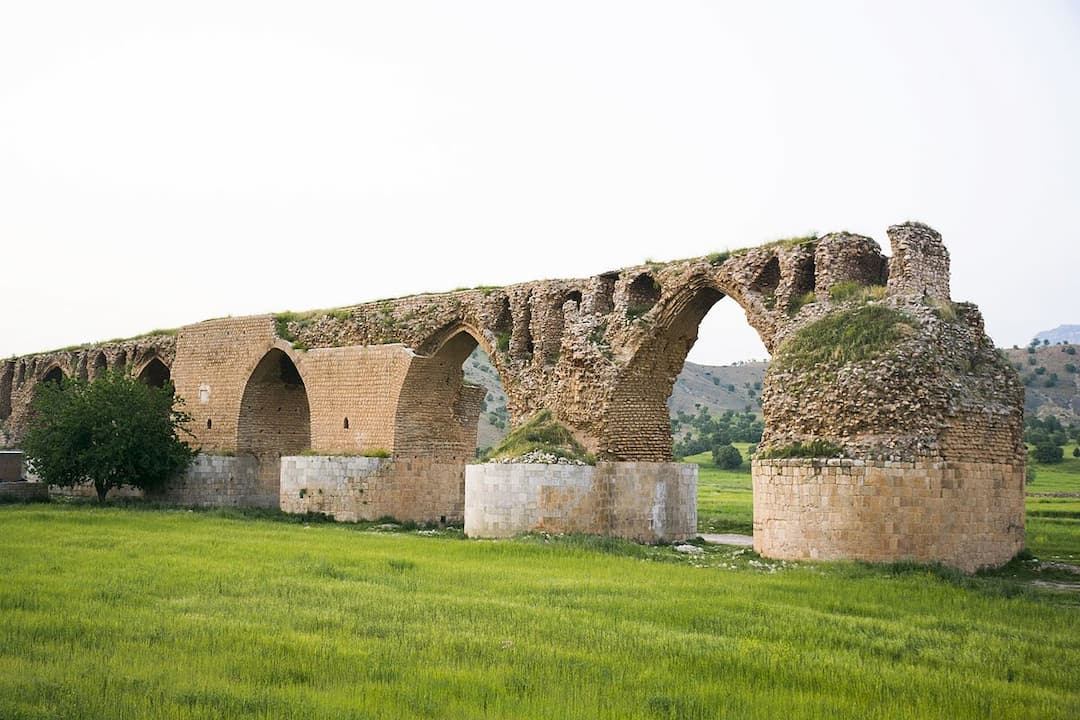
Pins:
<point x="165" y="163"/>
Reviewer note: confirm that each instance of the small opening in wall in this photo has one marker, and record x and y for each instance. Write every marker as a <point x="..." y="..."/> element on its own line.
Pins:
<point x="346" y="424"/>
<point x="209" y="423"/>
<point x="442" y="519"/>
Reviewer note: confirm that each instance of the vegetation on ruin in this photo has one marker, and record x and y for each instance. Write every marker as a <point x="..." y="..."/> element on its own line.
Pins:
<point x="110" y="432"/>
<point x="284" y="322"/>
<point x="800" y="301"/>
<point x="849" y="335"/>
<point x="851" y="291"/>
<point x="541" y="433"/>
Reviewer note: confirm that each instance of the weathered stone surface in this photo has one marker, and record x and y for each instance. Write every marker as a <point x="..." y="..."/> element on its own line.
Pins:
<point x="601" y="354"/>
<point x="11" y="466"/>
<point x="23" y="491"/>
<point x="650" y="502"/>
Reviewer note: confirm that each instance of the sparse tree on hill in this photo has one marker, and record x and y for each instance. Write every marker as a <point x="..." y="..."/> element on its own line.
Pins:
<point x="112" y="431"/>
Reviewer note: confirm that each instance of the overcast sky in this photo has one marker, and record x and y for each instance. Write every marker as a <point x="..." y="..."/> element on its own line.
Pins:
<point x="164" y="163"/>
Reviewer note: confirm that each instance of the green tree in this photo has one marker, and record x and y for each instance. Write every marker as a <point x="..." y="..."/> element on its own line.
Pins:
<point x="110" y="432"/>
<point x="727" y="457"/>
<point x="1048" y="453"/>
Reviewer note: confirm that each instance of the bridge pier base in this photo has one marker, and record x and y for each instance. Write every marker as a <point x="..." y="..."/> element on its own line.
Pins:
<point x="643" y="501"/>
<point x="967" y="515"/>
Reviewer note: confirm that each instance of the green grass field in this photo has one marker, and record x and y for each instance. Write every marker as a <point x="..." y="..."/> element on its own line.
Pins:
<point x="121" y="612"/>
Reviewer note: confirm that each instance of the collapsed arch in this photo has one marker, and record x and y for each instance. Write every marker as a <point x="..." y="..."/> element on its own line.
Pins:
<point x="155" y="373"/>
<point x="275" y="420"/>
<point x="637" y="424"/>
<point x="437" y="411"/>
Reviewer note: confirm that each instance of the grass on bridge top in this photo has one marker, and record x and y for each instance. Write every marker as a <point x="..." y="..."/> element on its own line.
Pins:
<point x="121" y="612"/>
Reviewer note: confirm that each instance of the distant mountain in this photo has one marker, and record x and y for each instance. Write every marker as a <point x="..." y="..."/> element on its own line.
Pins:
<point x="1061" y="334"/>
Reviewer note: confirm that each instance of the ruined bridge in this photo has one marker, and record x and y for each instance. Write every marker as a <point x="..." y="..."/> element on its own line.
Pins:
<point x="893" y="427"/>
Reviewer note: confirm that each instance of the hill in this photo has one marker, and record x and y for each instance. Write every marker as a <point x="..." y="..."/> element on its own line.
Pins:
<point x="1061" y="334"/>
<point x="1051" y="375"/>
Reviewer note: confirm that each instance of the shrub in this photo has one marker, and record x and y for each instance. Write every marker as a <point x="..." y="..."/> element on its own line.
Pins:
<point x="1048" y="453"/>
<point x="1076" y="451"/>
<point x="727" y="457"/>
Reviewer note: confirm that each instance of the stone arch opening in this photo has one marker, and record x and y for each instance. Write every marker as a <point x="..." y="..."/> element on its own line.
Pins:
<point x="275" y="420"/>
<point x="642" y="294"/>
<point x="638" y="425"/>
<point x="155" y="373"/>
<point x="768" y="279"/>
<point x="7" y="381"/>
<point x="444" y="402"/>
<point x="121" y="361"/>
<point x="101" y="365"/>
<point x="54" y="375"/>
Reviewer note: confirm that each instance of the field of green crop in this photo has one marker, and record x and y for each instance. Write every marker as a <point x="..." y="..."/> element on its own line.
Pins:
<point x="122" y="612"/>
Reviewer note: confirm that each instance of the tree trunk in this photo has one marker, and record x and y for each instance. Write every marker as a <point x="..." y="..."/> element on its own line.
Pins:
<point x="102" y="490"/>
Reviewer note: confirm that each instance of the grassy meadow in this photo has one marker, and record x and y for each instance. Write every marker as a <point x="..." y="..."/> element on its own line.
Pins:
<point x="129" y="612"/>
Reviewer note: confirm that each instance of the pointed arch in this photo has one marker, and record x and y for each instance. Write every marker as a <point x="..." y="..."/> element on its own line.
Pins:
<point x="54" y="374"/>
<point x="101" y="365"/>
<point x="637" y="424"/>
<point x="274" y="420"/>
<point x="437" y="411"/>
<point x="155" y="373"/>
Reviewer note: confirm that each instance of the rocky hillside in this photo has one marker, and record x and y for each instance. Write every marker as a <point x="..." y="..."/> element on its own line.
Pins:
<point x="1051" y="375"/>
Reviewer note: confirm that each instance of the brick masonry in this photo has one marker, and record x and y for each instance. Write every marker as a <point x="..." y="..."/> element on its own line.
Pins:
<point x="11" y="466"/>
<point x="23" y="491"/>
<point x="601" y="354"/>
<point x="967" y="514"/>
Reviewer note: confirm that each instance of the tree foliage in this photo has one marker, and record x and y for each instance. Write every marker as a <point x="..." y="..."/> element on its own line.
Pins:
<point x="110" y="432"/>
<point x="705" y="431"/>
<point x="1048" y="452"/>
<point x="727" y="457"/>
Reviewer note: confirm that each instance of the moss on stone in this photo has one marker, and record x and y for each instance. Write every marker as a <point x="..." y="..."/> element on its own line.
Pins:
<point x="543" y="433"/>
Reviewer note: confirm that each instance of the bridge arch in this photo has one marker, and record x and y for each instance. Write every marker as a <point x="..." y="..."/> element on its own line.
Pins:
<point x="274" y="419"/>
<point x="155" y="373"/>
<point x="54" y="374"/>
<point x="437" y="410"/>
<point x="101" y="365"/>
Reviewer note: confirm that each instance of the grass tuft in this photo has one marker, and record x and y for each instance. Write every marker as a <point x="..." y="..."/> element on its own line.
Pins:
<point x="854" y="335"/>
<point x="542" y="432"/>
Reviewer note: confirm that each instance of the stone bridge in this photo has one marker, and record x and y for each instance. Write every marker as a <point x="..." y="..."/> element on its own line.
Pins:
<point x="893" y="427"/>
